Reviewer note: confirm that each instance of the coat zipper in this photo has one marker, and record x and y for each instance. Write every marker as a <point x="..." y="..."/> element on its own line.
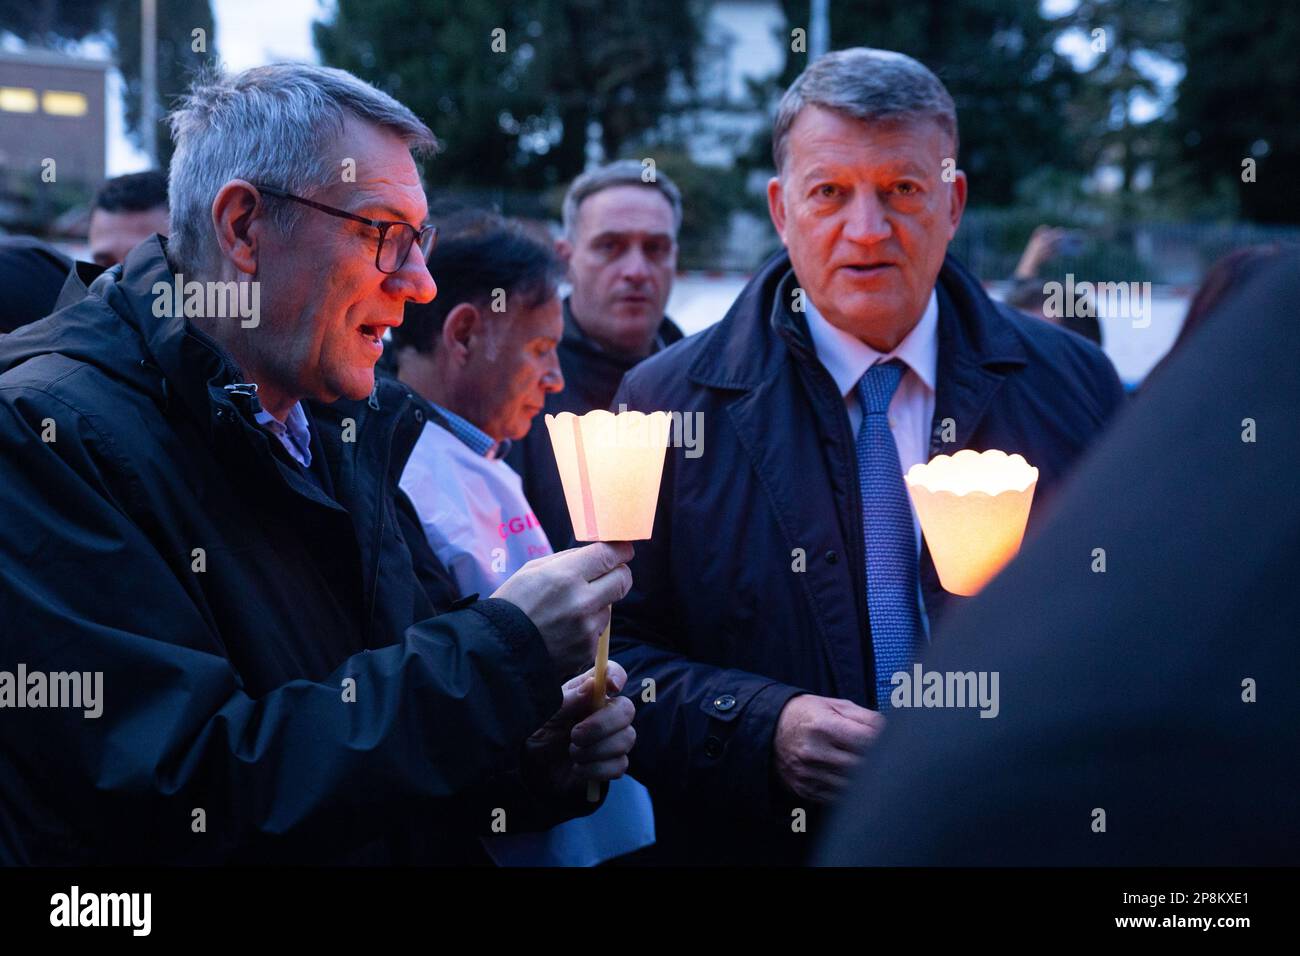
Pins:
<point x="380" y="523"/>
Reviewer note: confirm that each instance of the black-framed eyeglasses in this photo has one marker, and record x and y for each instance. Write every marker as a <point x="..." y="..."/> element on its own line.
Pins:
<point x="393" y="247"/>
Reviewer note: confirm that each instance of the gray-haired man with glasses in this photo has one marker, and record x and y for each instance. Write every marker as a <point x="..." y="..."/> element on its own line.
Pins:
<point x="199" y="530"/>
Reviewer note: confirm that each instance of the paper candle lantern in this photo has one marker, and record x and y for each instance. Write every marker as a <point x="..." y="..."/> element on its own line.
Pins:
<point x="610" y="467"/>
<point x="973" y="508"/>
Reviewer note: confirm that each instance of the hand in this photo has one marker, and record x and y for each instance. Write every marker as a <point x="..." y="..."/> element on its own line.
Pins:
<point x="818" y="741"/>
<point x="577" y="745"/>
<point x="568" y="595"/>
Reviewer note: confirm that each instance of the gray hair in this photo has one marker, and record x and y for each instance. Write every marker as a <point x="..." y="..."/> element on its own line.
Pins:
<point x="623" y="172"/>
<point x="869" y="85"/>
<point x="273" y="125"/>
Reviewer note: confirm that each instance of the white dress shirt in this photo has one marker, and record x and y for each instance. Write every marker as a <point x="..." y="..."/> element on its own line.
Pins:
<point x="911" y="410"/>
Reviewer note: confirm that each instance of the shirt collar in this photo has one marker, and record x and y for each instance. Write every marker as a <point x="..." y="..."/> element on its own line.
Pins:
<point x="477" y="440"/>
<point x="847" y="358"/>
<point x="294" y="432"/>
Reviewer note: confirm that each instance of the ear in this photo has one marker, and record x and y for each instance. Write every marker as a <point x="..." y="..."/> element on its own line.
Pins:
<point x="461" y="331"/>
<point x="776" y="205"/>
<point x="956" y="202"/>
<point x="564" y="249"/>
<point x="237" y="218"/>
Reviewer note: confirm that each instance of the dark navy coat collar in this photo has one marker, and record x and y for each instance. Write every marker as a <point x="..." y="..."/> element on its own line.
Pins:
<point x="749" y="347"/>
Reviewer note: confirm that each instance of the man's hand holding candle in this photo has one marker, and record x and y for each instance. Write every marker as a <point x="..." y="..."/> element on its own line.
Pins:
<point x="579" y="747"/>
<point x="567" y="596"/>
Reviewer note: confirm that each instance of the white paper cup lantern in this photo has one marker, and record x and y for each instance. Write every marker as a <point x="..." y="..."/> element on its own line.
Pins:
<point x="973" y="508"/>
<point x="610" y="466"/>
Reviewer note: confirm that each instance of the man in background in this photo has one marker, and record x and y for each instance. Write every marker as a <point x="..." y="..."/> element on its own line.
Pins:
<point x="127" y="210"/>
<point x="620" y="243"/>
<point x="36" y="279"/>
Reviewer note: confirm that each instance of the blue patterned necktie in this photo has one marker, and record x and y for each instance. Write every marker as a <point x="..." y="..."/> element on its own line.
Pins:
<point x="887" y="529"/>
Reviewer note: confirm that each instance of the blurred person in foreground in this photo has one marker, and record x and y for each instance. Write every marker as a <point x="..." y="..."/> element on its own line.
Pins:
<point x="1226" y="275"/>
<point x="482" y="358"/>
<point x="193" y="532"/>
<point x="31" y="274"/>
<point x="1148" y="713"/>
<point x="620" y="244"/>
<point x="787" y="582"/>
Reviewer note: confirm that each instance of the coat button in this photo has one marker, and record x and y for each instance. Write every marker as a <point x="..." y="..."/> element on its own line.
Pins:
<point x="832" y="557"/>
<point x="712" y="747"/>
<point x="725" y="702"/>
<point x="419" y="415"/>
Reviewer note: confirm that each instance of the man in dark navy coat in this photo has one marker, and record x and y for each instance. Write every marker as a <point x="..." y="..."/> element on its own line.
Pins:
<point x="787" y="580"/>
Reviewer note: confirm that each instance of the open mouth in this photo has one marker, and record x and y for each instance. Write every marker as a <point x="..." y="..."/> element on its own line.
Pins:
<point x="373" y="334"/>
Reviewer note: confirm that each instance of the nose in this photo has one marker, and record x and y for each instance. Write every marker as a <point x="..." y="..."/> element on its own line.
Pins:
<point x="866" y="222"/>
<point x="413" y="281"/>
<point x="636" y="267"/>
<point x="553" y="380"/>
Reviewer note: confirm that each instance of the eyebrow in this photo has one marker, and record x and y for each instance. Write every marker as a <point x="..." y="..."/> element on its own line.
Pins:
<point x="621" y="234"/>
<point x="368" y="209"/>
<point x="898" y="167"/>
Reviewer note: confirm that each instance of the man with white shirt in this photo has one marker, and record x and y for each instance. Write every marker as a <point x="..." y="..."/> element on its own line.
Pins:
<point x="482" y="356"/>
<point x="787" y="581"/>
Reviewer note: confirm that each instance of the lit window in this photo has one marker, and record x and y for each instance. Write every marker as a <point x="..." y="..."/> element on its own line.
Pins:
<point x="62" y="103"/>
<point x="17" y="99"/>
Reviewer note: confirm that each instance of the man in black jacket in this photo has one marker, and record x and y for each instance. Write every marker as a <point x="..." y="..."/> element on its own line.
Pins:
<point x="620" y="243"/>
<point x="216" y="644"/>
<point x="786" y="581"/>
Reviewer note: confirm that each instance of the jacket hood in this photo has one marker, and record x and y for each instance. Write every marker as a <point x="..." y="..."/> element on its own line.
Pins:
<point x="114" y="329"/>
<point x="88" y="331"/>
